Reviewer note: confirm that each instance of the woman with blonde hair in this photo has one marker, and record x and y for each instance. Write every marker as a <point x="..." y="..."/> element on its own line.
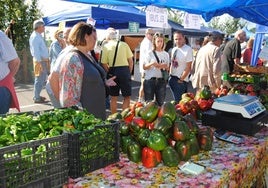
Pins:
<point x="156" y="61"/>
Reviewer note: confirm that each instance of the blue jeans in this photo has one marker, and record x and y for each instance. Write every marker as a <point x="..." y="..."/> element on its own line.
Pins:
<point x="5" y="100"/>
<point x="155" y="88"/>
<point x="39" y="82"/>
<point x="177" y="88"/>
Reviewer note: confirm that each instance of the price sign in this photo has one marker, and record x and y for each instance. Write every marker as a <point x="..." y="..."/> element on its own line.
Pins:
<point x="156" y="17"/>
<point x="133" y="27"/>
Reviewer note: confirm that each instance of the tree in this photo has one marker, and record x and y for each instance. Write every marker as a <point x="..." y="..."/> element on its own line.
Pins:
<point x="24" y="15"/>
<point x="227" y="24"/>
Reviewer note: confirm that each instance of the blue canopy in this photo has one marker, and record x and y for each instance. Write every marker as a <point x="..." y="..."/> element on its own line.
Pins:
<point x="260" y="31"/>
<point x="111" y="16"/>
<point x="105" y="16"/>
<point x="251" y="10"/>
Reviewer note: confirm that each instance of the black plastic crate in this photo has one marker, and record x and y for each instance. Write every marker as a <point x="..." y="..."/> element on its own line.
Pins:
<point x="35" y="164"/>
<point x="93" y="149"/>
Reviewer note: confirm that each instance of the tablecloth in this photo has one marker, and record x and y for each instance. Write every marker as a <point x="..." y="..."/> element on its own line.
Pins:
<point x="227" y="165"/>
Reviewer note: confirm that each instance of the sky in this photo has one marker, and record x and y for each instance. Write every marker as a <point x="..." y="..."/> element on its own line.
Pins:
<point x="51" y="6"/>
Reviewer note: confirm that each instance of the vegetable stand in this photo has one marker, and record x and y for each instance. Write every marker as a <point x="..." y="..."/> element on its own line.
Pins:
<point x="227" y="165"/>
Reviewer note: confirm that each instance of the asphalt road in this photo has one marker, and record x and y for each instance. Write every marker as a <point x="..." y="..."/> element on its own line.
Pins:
<point x="25" y="96"/>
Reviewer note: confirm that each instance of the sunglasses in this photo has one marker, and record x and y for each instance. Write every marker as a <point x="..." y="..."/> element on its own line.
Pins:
<point x="157" y="34"/>
<point x="152" y="34"/>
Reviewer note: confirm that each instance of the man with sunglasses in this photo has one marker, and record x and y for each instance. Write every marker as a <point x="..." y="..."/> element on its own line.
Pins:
<point x="145" y="46"/>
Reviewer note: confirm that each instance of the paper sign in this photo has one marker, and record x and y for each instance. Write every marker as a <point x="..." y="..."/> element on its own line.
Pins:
<point x="264" y="53"/>
<point x="156" y="17"/>
<point x="91" y="21"/>
<point x="192" y="21"/>
<point x="133" y="27"/>
<point x="61" y="26"/>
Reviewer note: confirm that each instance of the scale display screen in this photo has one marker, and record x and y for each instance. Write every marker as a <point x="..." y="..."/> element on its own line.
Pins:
<point x="252" y="108"/>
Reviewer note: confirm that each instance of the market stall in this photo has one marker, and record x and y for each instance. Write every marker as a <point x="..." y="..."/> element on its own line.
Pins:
<point x="226" y="165"/>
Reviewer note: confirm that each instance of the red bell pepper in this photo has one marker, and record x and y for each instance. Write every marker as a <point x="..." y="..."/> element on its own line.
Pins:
<point x="138" y="121"/>
<point x="150" y="158"/>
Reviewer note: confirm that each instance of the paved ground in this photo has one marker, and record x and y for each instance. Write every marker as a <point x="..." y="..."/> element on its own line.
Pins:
<point x="25" y="95"/>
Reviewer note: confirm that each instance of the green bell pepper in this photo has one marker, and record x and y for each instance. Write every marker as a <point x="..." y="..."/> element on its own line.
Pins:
<point x="124" y="129"/>
<point x="170" y="157"/>
<point x="157" y="141"/>
<point x="181" y="131"/>
<point x="143" y="136"/>
<point x="134" y="152"/>
<point x="149" y="112"/>
<point x="183" y="149"/>
<point x="163" y="124"/>
<point x="125" y="141"/>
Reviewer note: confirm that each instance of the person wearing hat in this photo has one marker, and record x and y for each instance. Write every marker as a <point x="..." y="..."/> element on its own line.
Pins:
<point x="56" y="47"/>
<point x="40" y="56"/>
<point x="208" y="64"/>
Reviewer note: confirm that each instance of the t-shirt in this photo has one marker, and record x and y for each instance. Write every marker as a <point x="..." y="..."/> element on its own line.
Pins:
<point x="232" y="50"/>
<point x="123" y="53"/>
<point x="182" y="56"/>
<point x="163" y="57"/>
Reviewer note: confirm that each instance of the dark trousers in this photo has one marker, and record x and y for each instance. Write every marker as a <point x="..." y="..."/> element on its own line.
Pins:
<point x="155" y="87"/>
<point x="177" y="88"/>
<point x="5" y="100"/>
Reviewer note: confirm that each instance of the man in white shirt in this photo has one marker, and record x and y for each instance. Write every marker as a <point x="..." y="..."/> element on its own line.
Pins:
<point x="145" y="46"/>
<point x="181" y="61"/>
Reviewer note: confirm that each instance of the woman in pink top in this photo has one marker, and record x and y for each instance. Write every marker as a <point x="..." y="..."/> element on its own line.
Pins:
<point x="248" y="53"/>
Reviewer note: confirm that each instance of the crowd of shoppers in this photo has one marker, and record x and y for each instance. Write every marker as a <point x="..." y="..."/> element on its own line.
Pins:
<point x="74" y="76"/>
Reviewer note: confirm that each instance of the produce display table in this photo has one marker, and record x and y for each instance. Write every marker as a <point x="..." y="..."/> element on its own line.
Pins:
<point x="227" y="165"/>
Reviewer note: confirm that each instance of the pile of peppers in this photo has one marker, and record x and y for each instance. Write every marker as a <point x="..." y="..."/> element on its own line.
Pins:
<point x="151" y="134"/>
<point x="24" y="127"/>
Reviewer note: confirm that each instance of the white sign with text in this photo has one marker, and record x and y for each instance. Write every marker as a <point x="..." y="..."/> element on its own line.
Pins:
<point x="156" y="17"/>
<point x="192" y="21"/>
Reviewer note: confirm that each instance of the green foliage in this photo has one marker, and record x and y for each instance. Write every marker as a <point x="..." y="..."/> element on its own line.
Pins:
<point x="227" y="24"/>
<point x="24" y="15"/>
<point x="175" y="15"/>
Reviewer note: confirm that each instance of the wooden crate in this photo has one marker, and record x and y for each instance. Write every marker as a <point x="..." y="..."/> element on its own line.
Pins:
<point x="250" y="69"/>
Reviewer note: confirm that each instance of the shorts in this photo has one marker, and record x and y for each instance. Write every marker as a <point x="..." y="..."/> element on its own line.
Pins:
<point x="123" y="81"/>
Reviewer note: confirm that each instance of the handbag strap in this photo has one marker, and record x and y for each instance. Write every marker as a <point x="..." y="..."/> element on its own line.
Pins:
<point x="157" y="59"/>
<point x="93" y="62"/>
<point x="174" y="54"/>
<point x="115" y="53"/>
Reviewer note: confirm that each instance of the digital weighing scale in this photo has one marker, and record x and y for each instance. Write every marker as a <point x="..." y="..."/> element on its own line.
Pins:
<point x="247" y="106"/>
<point x="241" y="114"/>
